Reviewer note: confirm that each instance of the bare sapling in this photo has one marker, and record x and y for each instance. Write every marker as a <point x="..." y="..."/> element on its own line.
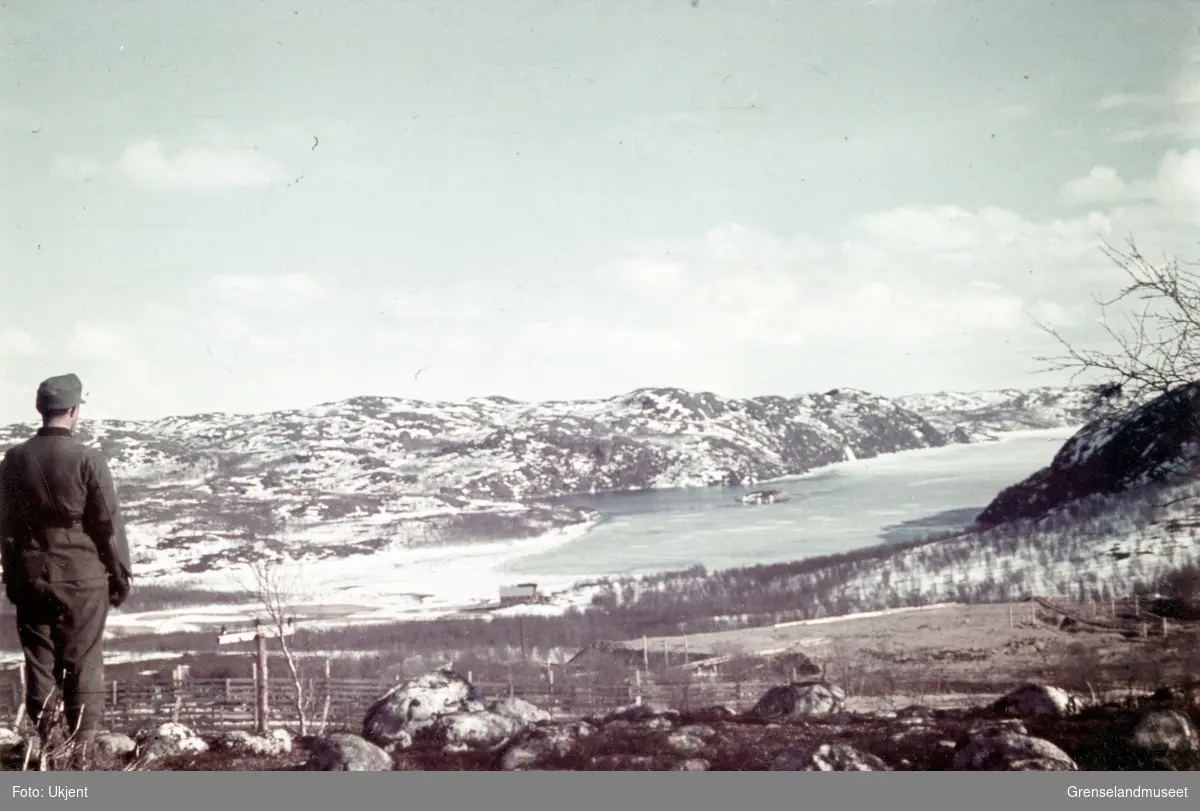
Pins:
<point x="277" y="586"/>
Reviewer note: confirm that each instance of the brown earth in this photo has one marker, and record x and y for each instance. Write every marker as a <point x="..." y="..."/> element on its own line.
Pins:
<point x="945" y="664"/>
<point x="973" y="653"/>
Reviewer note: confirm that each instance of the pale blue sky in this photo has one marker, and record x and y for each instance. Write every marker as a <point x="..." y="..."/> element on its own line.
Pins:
<point x="547" y="198"/>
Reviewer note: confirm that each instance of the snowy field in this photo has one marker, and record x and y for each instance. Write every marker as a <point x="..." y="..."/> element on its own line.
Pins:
<point x="836" y="509"/>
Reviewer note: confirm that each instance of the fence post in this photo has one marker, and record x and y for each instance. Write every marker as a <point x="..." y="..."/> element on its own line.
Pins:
<point x="262" y="691"/>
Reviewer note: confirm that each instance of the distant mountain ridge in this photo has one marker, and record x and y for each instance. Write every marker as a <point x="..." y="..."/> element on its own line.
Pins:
<point x="984" y="414"/>
<point x="368" y="473"/>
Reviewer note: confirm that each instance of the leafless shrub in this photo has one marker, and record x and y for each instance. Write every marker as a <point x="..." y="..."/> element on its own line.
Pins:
<point x="277" y="585"/>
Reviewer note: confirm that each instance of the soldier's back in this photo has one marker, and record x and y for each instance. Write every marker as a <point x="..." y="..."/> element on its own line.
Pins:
<point x="49" y="476"/>
<point x="60" y="461"/>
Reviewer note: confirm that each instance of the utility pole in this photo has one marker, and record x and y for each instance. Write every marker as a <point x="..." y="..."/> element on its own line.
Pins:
<point x="521" y="626"/>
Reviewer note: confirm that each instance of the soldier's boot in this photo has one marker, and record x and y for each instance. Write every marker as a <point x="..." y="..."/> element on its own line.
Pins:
<point x="83" y="748"/>
<point x="83" y="723"/>
<point x="41" y="721"/>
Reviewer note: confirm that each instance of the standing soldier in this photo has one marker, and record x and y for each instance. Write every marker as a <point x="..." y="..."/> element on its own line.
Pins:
<point x="65" y="558"/>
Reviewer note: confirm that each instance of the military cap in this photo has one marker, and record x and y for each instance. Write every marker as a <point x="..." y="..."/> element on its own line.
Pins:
<point x="59" y="392"/>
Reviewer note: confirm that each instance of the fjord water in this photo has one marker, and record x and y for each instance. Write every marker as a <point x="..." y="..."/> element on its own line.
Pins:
<point x="835" y="509"/>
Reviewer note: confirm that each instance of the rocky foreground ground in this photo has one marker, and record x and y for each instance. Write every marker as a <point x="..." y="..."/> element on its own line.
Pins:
<point x="439" y="722"/>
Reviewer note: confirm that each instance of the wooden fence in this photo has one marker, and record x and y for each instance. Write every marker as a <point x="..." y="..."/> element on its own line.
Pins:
<point x="217" y="704"/>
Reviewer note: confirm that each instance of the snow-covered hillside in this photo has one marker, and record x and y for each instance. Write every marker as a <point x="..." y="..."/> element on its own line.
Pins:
<point x="373" y="473"/>
<point x="1154" y="442"/>
<point x="984" y="414"/>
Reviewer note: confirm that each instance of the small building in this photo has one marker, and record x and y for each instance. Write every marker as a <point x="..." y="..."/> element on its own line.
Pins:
<point x="520" y="594"/>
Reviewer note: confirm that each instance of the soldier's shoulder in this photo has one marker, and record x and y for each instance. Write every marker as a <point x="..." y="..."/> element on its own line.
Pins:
<point x="90" y="453"/>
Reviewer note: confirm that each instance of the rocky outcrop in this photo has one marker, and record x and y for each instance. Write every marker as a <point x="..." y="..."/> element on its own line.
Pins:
<point x="343" y="752"/>
<point x="541" y="745"/>
<point x="241" y="743"/>
<point x="997" y="749"/>
<point x="410" y="708"/>
<point x="1038" y="699"/>
<point x="805" y="727"/>
<point x="801" y="700"/>
<point x="115" y="744"/>
<point x="11" y="743"/>
<point x="1166" y="731"/>
<point x="829" y="757"/>
<point x="1152" y="442"/>
<point x="168" y="740"/>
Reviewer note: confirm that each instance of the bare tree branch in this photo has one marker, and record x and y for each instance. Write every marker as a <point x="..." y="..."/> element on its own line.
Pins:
<point x="1157" y="352"/>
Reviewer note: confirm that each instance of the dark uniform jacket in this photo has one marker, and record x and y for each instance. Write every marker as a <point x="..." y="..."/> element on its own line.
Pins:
<point x="59" y="515"/>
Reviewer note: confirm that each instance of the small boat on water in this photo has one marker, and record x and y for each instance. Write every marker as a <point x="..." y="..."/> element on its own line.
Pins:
<point x="765" y="497"/>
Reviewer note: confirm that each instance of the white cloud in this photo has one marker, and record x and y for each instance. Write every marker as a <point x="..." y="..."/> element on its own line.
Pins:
<point x="280" y="291"/>
<point x="1101" y="185"/>
<point x="114" y="368"/>
<point x="1174" y="190"/>
<point x="17" y="343"/>
<point x="928" y="288"/>
<point x="1175" y="112"/>
<point x="201" y="169"/>
<point x="89" y="342"/>
<point x="1178" y="180"/>
<point x="1014" y="112"/>
<point x="909" y="298"/>
<point x="1121" y="101"/>
<point x="661" y="274"/>
<point x="18" y="118"/>
<point x="75" y="168"/>
<point x="218" y="158"/>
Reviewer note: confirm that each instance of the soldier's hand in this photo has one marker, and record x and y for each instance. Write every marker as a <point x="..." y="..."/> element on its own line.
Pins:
<point x="118" y="590"/>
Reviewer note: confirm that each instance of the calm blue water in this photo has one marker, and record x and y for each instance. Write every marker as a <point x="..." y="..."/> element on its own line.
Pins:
<point x="835" y="509"/>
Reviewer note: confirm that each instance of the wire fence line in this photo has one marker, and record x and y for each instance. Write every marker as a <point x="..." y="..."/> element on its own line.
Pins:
<point x="223" y="704"/>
